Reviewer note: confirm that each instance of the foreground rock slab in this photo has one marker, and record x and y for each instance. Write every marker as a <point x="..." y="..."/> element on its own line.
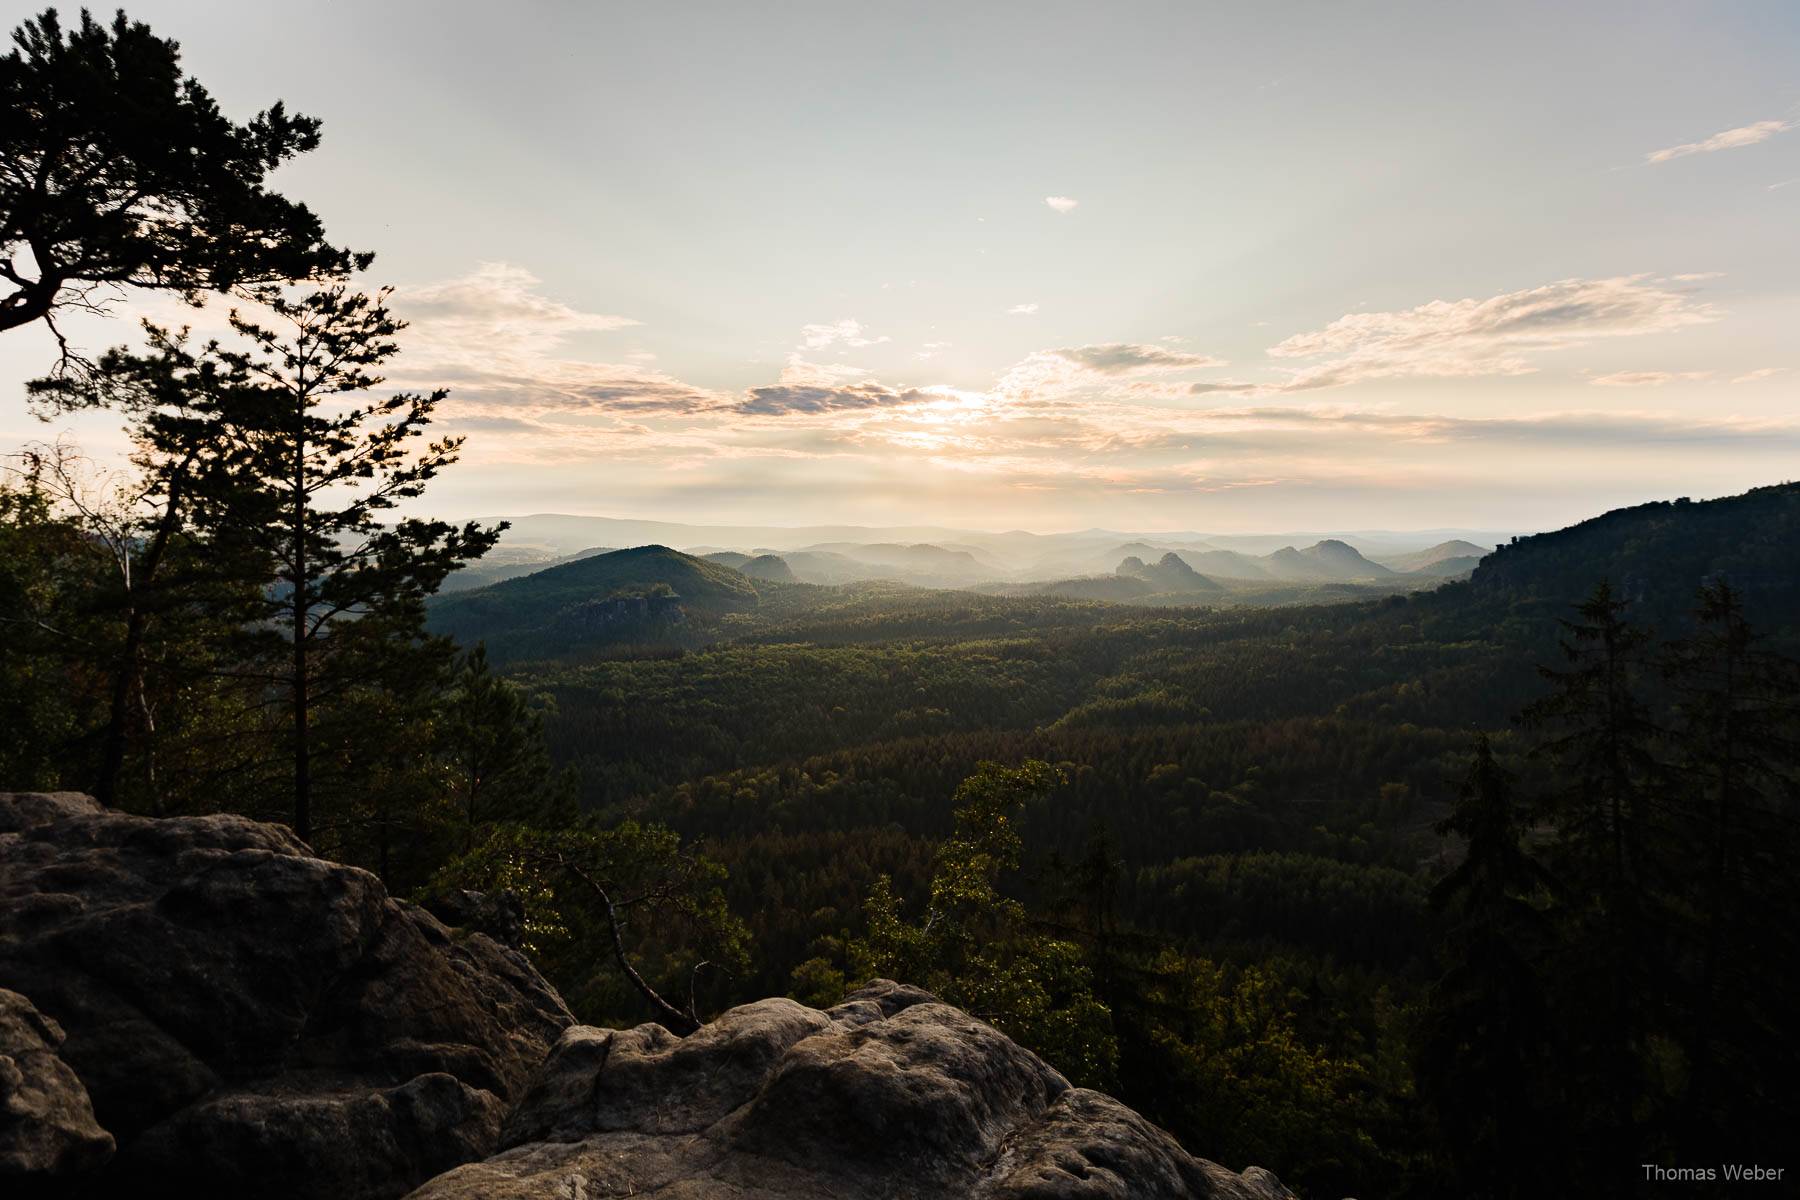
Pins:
<point x="891" y="1095"/>
<point x="248" y="1018"/>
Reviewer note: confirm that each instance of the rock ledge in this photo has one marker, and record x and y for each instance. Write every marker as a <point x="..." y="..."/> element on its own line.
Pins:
<point x="891" y="1095"/>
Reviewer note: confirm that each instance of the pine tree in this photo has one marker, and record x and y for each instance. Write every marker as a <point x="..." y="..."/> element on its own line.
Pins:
<point x="1601" y="738"/>
<point x="1487" y="1053"/>
<point x="121" y="172"/>
<point x="1737" y="783"/>
<point x="492" y="742"/>
<point x="312" y="467"/>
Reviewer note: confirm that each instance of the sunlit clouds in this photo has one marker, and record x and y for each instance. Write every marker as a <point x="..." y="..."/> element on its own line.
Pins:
<point x="1500" y="335"/>
<point x="1062" y="204"/>
<point x="1067" y="427"/>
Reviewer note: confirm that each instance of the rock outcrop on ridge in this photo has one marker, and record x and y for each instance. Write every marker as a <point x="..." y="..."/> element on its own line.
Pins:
<point x="239" y="1017"/>
<point x="246" y="1017"/>
<point x="891" y="1095"/>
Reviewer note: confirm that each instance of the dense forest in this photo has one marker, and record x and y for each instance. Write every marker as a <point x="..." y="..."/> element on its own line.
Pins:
<point x="1479" y="890"/>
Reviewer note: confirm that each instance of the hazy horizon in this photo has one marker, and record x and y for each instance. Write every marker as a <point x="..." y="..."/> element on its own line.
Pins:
<point x="1034" y="266"/>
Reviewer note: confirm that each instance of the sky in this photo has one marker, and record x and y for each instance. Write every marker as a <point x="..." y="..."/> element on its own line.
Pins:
<point x="1214" y="267"/>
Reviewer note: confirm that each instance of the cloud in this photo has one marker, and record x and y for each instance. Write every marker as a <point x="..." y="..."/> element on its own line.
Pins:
<point x="1463" y="338"/>
<point x="799" y="371"/>
<point x="1760" y="373"/>
<point x="1645" y="378"/>
<point x="1731" y="139"/>
<point x="492" y="337"/>
<point x="848" y="331"/>
<point x="1208" y="389"/>
<point x="1058" y="372"/>
<point x="784" y="399"/>
<point x="1022" y="309"/>
<point x="554" y="385"/>
<point x="497" y="308"/>
<point x="1061" y="204"/>
<point x="1128" y="358"/>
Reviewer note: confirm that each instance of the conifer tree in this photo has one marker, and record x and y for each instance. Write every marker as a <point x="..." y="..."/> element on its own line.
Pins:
<point x="313" y="465"/>
<point x="1487" y="1051"/>
<point x="1609" y="969"/>
<point x="1736" y="805"/>
<point x="1601" y="737"/>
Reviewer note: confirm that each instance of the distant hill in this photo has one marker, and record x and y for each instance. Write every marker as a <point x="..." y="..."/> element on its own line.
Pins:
<point x="1340" y="560"/>
<point x="1168" y="574"/>
<point x="1227" y="564"/>
<point x="519" y="613"/>
<point x="1427" y="561"/>
<point x="483" y="572"/>
<point x="1329" y="560"/>
<point x="768" y="566"/>
<point x="1658" y="555"/>
<point x="1448" y="568"/>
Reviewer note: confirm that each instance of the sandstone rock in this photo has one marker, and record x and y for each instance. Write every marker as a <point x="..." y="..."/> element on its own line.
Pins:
<point x="889" y="1096"/>
<point x="241" y="1012"/>
<point x="47" y="1124"/>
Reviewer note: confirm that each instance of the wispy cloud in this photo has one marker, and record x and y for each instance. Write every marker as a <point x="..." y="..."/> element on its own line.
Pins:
<point x="781" y="400"/>
<point x="1730" y="139"/>
<point x="1494" y="336"/>
<point x="1130" y="358"/>
<point x="1760" y="373"/>
<point x="1024" y="310"/>
<point x="1062" y="204"/>
<point x="800" y="371"/>
<point x="1644" y="378"/>
<point x="847" y="331"/>
<point x="1057" y="372"/>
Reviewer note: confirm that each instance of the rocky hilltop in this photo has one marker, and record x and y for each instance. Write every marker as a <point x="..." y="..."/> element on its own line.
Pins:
<point x="195" y="1006"/>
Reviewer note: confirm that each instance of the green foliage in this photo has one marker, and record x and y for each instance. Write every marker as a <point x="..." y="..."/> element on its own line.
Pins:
<point x="617" y="919"/>
<point x="1232" y="1067"/>
<point x="45" y="566"/>
<point x="121" y="171"/>
<point x="972" y="945"/>
<point x="492" y="743"/>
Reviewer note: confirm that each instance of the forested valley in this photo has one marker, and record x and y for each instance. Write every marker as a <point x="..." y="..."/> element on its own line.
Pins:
<point x="1375" y="890"/>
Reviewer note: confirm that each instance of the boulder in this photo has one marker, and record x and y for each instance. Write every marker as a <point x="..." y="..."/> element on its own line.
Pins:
<point x="47" y="1127"/>
<point x="891" y="1095"/>
<point x="244" y="1015"/>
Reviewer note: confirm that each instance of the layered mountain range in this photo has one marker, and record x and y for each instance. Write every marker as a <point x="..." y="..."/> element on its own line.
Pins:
<point x="953" y="558"/>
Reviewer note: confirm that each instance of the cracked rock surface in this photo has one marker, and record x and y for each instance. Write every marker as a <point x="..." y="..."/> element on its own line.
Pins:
<point x="246" y="1017"/>
<point x="891" y="1094"/>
